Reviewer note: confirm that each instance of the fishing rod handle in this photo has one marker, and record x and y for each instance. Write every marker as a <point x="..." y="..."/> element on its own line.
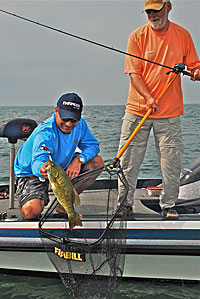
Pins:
<point x="186" y="73"/>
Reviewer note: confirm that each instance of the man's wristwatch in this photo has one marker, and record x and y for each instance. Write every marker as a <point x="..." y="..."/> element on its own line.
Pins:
<point x="81" y="159"/>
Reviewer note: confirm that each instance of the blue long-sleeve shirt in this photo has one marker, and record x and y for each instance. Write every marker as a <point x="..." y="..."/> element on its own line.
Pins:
<point x="62" y="146"/>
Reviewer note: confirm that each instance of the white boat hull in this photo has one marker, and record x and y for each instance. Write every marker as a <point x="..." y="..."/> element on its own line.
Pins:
<point x="136" y="265"/>
<point x="154" y="256"/>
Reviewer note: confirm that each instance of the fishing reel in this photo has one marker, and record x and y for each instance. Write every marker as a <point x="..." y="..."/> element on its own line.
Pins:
<point x="179" y="68"/>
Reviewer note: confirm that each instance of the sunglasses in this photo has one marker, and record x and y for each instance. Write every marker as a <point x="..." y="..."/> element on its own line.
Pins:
<point x="69" y="119"/>
<point x="149" y="11"/>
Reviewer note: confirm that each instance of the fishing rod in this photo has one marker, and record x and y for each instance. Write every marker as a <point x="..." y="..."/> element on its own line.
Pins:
<point x="178" y="68"/>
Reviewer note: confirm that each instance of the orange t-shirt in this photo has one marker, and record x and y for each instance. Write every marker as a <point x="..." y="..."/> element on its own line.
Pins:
<point x="176" y="46"/>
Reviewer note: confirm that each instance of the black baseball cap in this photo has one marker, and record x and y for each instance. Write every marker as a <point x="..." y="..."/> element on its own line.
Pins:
<point x="70" y="106"/>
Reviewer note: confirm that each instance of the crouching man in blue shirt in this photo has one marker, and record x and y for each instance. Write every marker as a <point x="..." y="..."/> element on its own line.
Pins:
<point x="61" y="134"/>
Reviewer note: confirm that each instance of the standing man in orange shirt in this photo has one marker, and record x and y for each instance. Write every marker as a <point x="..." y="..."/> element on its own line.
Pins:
<point x="165" y="43"/>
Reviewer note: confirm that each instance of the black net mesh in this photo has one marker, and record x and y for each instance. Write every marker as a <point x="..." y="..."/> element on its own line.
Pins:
<point x="89" y="259"/>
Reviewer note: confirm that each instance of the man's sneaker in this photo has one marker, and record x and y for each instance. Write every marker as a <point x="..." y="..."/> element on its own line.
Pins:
<point x="170" y="213"/>
<point x="125" y="211"/>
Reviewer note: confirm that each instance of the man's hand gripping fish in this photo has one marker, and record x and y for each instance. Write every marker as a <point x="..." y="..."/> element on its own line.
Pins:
<point x="64" y="191"/>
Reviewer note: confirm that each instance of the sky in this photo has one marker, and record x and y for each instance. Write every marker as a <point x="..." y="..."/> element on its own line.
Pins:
<point x="38" y="65"/>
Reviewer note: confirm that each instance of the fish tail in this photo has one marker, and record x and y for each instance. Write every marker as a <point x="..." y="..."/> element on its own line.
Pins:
<point x="73" y="221"/>
<point x="78" y="220"/>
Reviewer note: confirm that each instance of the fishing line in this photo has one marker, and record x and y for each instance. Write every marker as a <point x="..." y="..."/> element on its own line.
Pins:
<point x="173" y="69"/>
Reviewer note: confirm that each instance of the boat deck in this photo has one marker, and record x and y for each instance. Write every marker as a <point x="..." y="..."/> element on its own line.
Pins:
<point x="94" y="204"/>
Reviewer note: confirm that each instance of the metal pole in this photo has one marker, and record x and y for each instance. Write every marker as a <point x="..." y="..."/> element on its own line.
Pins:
<point x="12" y="177"/>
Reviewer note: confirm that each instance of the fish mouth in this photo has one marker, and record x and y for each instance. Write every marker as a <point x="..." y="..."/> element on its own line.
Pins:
<point x="47" y="164"/>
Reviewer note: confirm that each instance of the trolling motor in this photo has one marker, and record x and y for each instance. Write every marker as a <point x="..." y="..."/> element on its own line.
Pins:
<point x="14" y="129"/>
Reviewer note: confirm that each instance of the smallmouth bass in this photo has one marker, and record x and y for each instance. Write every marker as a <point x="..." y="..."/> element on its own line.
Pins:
<point x="64" y="191"/>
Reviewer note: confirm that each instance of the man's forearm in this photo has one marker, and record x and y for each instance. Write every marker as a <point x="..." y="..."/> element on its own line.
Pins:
<point x="141" y="87"/>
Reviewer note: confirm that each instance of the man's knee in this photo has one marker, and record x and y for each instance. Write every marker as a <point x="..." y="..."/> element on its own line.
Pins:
<point x="94" y="163"/>
<point x="33" y="208"/>
<point x="98" y="162"/>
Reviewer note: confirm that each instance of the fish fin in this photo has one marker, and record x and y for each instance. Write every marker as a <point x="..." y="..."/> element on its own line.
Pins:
<point x="73" y="221"/>
<point x="76" y="198"/>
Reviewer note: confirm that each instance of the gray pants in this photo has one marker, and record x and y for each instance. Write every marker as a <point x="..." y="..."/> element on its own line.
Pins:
<point x="169" y="147"/>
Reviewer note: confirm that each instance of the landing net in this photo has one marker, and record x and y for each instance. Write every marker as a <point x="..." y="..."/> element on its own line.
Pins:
<point x="89" y="259"/>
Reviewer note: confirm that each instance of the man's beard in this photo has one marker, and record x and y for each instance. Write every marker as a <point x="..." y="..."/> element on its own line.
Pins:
<point x="159" y="24"/>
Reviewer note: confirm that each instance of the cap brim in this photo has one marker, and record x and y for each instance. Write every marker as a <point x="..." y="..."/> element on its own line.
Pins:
<point x="155" y="6"/>
<point x="65" y="114"/>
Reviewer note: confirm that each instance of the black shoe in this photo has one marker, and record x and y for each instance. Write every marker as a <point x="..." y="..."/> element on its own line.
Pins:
<point x="170" y="213"/>
<point x="125" y="211"/>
